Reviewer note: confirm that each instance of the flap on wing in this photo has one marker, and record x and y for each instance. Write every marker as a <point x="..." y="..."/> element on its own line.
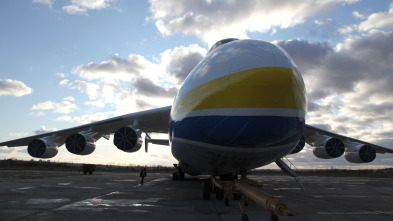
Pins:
<point x="310" y="131"/>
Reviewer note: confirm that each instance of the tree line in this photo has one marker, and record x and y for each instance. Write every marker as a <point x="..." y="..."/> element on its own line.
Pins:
<point x="9" y="164"/>
<point x="15" y="164"/>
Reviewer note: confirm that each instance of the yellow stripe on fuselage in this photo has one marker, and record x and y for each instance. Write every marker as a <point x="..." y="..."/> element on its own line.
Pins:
<point x="264" y="87"/>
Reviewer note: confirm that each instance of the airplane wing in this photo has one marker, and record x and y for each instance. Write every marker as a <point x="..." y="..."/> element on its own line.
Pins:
<point x="310" y="133"/>
<point x="154" y="120"/>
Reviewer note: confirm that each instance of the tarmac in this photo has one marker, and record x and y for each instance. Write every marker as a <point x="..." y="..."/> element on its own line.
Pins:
<point x="69" y="195"/>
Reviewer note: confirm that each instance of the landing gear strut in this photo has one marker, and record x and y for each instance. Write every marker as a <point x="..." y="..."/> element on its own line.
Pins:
<point x="179" y="174"/>
<point x="206" y="189"/>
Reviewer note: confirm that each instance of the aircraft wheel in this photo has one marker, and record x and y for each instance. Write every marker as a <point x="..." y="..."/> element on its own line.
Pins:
<point x="274" y="217"/>
<point x="237" y="196"/>
<point x="90" y="172"/>
<point x="85" y="172"/>
<point x="219" y="194"/>
<point x="181" y="176"/>
<point x="206" y="189"/>
<point x="226" y="201"/>
<point x="175" y="176"/>
<point x="244" y="217"/>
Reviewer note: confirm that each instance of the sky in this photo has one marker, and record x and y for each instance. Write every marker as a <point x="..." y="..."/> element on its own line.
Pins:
<point x="71" y="62"/>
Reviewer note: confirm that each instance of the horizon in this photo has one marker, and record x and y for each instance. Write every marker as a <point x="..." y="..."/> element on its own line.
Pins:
<point x="172" y="168"/>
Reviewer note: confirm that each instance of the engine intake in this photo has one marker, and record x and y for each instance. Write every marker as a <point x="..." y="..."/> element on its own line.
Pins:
<point x="128" y="139"/>
<point x="360" y="153"/>
<point x="80" y="144"/>
<point x="41" y="148"/>
<point x="326" y="147"/>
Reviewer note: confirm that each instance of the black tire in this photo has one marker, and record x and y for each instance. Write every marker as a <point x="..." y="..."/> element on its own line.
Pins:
<point x="226" y="201"/>
<point x="181" y="176"/>
<point x="85" y="172"/>
<point x="90" y="172"/>
<point x="274" y="217"/>
<point x="175" y="176"/>
<point x="244" y="217"/>
<point x="206" y="189"/>
<point x="219" y="194"/>
<point x="237" y="196"/>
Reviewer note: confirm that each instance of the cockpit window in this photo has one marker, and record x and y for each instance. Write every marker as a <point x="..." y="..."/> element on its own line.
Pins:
<point x="221" y="42"/>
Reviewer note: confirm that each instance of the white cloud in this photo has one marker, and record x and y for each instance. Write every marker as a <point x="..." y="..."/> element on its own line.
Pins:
<point x="214" y="20"/>
<point x="378" y="20"/>
<point x="82" y="6"/>
<point x="49" y="3"/>
<point x="63" y="107"/>
<point x="358" y="15"/>
<point x="43" y="130"/>
<point x="84" y="119"/>
<point x="115" y="68"/>
<point x="69" y="99"/>
<point x="349" y="2"/>
<point x="132" y="83"/>
<point x="97" y="103"/>
<point x="40" y="114"/>
<point x="48" y="105"/>
<point x="146" y="87"/>
<point x="90" y="89"/>
<point x="345" y="29"/>
<point x="180" y="61"/>
<point x="61" y="75"/>
<point x="324" y="21"/>
<point x="14" y="88"/>
<point x="334" y="72"/>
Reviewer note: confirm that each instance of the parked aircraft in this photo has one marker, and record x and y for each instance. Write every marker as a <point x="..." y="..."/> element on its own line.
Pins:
<point x="242" y="107"/>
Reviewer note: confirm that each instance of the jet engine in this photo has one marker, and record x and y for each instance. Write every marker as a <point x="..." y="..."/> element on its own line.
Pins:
<point x="326" y="147"/>
<point x="41" y="148"/>
<point x="360" y="153"/>
<point x="80" y="144"/>
<point x="299" y="147"/>
<point x="128" y="139"/>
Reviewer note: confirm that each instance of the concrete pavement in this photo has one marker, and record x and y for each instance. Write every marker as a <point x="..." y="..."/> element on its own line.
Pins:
<point x="68" y="195"/>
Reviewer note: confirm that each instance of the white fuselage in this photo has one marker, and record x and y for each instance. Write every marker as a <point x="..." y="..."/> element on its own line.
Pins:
<point x="243" y="106"/>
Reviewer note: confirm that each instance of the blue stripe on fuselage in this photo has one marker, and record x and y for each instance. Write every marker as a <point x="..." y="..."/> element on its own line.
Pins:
<point x="239" y="131"/>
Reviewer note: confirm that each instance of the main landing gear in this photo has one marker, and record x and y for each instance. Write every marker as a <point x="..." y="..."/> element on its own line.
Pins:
<point x="179" y="174"/>
<point x="250" y="189"/>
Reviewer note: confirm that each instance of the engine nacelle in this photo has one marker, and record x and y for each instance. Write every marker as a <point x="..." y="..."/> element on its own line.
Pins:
<point x="41" y="148"/>
<point x="326" y="147"/>
<point x="360" y="153"/>
<point x="80" y="144"/>
<point x="128" y="139"/>
<point x="299" y="147"/>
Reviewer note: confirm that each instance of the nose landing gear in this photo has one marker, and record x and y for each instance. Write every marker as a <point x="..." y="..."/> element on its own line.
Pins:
<point x="179" y="174"/>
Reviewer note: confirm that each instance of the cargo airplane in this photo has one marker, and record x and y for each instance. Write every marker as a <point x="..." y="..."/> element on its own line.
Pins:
<point x="242" y="107"/>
